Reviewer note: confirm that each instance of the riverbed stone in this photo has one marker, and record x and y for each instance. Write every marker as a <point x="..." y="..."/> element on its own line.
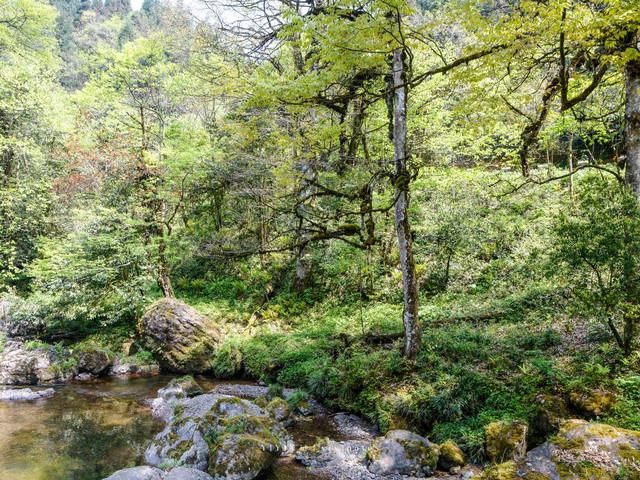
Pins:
<point x="25" y="394"/>
<point x="580" y="451"/>
<point x="354" y="427"/>
<point x="402" y="452"/>
<point x="181" y="339"/>
<point x="125" y="367"/>
<point x="181" y="387"/>
<point x="138" y="473"/>
<point x="230" y="437"/>
<point x="183" y="473"/>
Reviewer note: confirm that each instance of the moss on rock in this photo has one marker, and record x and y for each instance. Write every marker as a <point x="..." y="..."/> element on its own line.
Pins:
<point x="450" y="455"/>
<point x="506" y="440"/>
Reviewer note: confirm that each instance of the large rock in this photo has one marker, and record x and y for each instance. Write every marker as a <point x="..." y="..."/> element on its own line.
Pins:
<point x="580" y="451"/>
<point x="402" y="452"/>
<point x="182" y="387"/>
<point x="33" y="364"/>
<point x="229" y="437"/>
<point x="551" y="410"/>
<point x="338" y="459"/>
<point x="95" y="361"/>
<point x="178" y="336"/>
<point x="505" y="440"/>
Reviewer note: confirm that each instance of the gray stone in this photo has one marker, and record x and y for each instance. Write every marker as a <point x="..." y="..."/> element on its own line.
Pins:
<point x="579" y="451"/>
<point x="20" y="365"/>
<point x="181" y="338"/>
<point x="183" y="473"/>
<point x="345" y="459"/>
<point x="137" y="473"/>
<point x="231" y="438"/>
<point x="402" y="452"/>
<point x="94" y="361"/>
<point x="354" y="427"/>
<point x="26" y="394"/>
<point x="180" y="388"/>
<point x="123" y="368"/>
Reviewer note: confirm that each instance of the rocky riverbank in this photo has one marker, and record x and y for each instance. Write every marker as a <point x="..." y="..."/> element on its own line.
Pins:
<point x="29" y="362"/>
<point x="235" y="432"/>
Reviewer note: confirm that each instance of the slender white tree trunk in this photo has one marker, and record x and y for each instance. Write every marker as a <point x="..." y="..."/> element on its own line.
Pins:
<point x="412" y="333"/>
<point x="632" y="120"/>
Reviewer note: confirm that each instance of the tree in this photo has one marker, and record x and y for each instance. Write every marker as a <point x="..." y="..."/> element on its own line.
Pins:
<point x="599" y="241"/>
<point x="403" y="227"/>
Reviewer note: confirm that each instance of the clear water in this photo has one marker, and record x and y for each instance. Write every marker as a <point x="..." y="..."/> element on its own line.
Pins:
<point x="83" y="432"/>
<point x="87" y="431"/>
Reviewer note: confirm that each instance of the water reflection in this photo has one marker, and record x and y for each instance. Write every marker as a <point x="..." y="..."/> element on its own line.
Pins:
<point x="84" y="432"/>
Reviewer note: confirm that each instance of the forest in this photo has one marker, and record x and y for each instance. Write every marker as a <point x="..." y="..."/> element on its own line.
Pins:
<point x="423" y="213"/>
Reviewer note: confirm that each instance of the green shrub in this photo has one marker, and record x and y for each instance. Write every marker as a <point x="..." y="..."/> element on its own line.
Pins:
<point x="227" y="361"/>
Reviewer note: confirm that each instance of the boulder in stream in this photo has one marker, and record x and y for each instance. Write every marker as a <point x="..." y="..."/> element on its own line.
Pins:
<point x="138" y="473"/>
<point x="94" y="361"/>
<point x="181" y="339"/>
<point x="228" y="437"/>
<point x="403" y="452"/>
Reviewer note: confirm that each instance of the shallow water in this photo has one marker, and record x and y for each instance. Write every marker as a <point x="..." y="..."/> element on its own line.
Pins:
<point x="86" y="431"/>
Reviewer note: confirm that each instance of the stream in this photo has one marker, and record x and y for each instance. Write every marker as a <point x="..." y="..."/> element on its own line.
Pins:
<point x="86" y="431"/>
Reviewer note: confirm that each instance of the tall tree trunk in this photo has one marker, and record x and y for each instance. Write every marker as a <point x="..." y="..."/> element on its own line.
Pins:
<point x="303" y="257"/>
<point x="632" y="119"/>
<point x="412" y="333"/>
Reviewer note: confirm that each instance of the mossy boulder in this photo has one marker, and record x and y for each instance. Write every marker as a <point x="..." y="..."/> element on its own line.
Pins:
<point x="181" y="339"/>
<point x="501" y="471"/>
<point x="229" y="437"/>
<point x="451" y="456"/>
<point x="593" y="403"/>
<point x="243" y="456"/>
<point x="94" y="360"/>
<point x="505" y="440"/>
<point x="580" y="451"/>
<point x="279" y="409"/>
<point x="402" y="452"/>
